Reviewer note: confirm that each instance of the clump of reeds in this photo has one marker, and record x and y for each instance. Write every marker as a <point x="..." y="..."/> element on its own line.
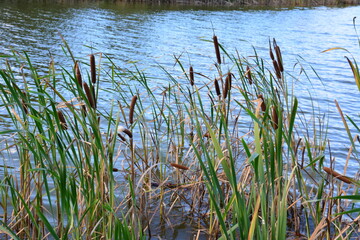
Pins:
<point x="191" y="152"/>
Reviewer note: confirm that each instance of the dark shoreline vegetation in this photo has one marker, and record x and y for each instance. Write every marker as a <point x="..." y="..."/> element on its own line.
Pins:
<point x="229" y="3"/>
<point x="225" y="155"/>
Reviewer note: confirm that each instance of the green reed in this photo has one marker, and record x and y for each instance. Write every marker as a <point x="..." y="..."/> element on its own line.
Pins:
<point x="223" y="152"/>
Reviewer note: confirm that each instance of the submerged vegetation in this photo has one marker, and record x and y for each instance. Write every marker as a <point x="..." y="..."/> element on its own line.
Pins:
<point x="226" y="154"/>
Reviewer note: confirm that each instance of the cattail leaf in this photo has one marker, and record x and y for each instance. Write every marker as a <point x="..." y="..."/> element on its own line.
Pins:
<point x="355" y="70"/>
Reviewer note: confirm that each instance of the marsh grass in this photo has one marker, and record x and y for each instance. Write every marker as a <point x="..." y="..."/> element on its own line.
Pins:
<point x="224" y="155"/>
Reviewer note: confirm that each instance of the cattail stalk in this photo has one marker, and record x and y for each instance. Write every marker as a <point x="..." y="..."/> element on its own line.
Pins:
<point x="217" y="49"/>
<point x="132" y="107"/>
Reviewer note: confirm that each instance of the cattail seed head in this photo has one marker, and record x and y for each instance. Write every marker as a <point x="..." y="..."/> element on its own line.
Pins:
<point x="277" y="69"/>
<point x="217" y="49"/>
<point x="62" y="120"/>
<point x="275" y="119"/>
<point x="337" y="175"/>
<point x="132" y="107"/>
<point x="263" y="105"/>
<point x="182" y="167"/>
<point x="78" y="73"/>
<point x="217" y="87"/>
<point x="248" y="75"/>
<point x="227" y="86"/>
<point x="279" y="58"/>
<point x="271" y="52"/>
<point x="89" y="95"/>
<point x="92" y="68"/>
<point x="191" y="73"/>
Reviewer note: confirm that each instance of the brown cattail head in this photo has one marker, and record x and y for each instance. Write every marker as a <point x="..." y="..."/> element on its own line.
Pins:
<point x="274" y="118"/>
<point x="217" y="87"/>
<point x="121" y="129"/>
<point x="121" y="137"/>
<point x="263" y="106"/>
<point x="271" y="52"/>
<point x="191" y="73"/>
<point x="132" y="107"/>
<point x="62" y="120"/>
<point x="182" y="167"/>
<point x="92" y="68"/>
<point x="89" y="95"/>
<point x="83" y="110"/>
<point x="217" y="49"/>
<point x="78" y="73"/>
<point x="337" y="175"/>
<point x="227" y="86"/>
<point x="277" y="69"/>
<point x="115" y="169"/>
<point x="279" y="58"/>
<point x="24" y="104"/>
<point x="248" y="75"/>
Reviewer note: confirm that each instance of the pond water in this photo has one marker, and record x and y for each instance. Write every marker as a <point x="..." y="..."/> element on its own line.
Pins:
<point x="152" y="35"/>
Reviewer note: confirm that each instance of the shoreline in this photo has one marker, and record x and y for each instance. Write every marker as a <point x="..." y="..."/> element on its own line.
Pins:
<point x="213" y="3"/>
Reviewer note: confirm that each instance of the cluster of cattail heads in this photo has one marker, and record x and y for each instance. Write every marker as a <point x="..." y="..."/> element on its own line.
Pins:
<point x="89" y="90"/>
<point x="278" y="63"/>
